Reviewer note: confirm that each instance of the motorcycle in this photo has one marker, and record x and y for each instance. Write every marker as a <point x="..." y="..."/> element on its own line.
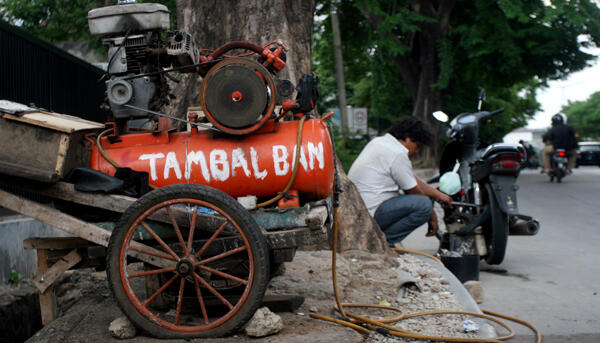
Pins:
<point x="484" y="211"/>
<point x="531" y="159"/>
<point x="558" y="165"/>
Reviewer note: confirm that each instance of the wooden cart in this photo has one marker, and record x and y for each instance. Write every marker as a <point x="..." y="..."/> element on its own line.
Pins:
<point x="182" y="261"/>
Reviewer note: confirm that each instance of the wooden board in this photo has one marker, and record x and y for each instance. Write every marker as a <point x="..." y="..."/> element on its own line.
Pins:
<point x="47" y="278"/>
<point x="55" y="243"/>
<point x="48" y="307"/>
<point x="55" y="121"/>
<point x="73" y="226"/>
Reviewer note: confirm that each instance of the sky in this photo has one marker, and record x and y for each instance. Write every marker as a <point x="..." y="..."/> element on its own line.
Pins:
<point x="578" y="86"/>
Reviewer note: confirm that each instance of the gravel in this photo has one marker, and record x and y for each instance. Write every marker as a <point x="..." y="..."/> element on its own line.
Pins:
<point x="373" y="279"/>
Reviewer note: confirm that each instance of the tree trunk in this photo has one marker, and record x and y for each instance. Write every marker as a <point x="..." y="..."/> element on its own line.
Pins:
<point x="213" y="23"/>
<point x="357" y="230"/>
<point x="419" y="66"/>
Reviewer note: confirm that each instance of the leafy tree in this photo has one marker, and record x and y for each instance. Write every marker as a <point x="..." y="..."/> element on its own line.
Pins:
<point x="430" y="55"/>
<point x="584" y="116"/>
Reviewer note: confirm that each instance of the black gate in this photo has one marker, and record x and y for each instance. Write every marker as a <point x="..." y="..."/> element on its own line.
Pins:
<point x="35" y="71"/>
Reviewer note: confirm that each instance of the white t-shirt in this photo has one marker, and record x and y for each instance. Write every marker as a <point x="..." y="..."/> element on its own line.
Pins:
<point x="382" y="169"/>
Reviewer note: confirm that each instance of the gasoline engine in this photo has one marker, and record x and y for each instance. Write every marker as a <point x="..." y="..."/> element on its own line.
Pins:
<point x="238" y="143"/>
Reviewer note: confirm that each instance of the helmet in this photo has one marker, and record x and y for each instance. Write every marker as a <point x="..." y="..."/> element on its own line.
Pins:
<point x="558" y="119"/>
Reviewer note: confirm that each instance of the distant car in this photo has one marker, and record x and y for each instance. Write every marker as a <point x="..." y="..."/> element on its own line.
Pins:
<point x="588" y="154"/>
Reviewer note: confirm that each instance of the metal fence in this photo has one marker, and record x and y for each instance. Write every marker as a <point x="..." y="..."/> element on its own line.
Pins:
<point x="35" y="71"/>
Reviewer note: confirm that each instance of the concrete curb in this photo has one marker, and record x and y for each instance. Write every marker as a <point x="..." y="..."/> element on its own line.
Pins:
<point x="464" y="297"/>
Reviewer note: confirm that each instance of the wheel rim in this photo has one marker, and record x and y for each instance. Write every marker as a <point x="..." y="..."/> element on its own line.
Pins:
<point x="193" y="274"/>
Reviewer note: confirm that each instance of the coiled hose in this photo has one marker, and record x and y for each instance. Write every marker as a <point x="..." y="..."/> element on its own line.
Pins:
<point x="365" y="325"/>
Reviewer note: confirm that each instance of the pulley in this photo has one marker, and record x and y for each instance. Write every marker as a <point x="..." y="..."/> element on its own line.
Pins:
<point x="238" y="96"/>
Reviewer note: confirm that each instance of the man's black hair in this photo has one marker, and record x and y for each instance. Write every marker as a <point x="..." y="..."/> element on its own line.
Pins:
<point x="411" y="127"/>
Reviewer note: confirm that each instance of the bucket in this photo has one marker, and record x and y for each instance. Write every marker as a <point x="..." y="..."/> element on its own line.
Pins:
<point x="465" y="268"/>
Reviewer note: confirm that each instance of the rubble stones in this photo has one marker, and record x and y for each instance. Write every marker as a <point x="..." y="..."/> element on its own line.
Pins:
<point x="122" y="328"/>
<point x="264" y="323"/>
<point x="99" y="276"/>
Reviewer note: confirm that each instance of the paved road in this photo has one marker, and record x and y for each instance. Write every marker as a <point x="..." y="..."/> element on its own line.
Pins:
<point x="552" y="279"/>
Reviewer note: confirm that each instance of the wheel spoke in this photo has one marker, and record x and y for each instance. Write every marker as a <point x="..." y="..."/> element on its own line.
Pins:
<point x="160" y="241"/>
<point x="201" y="301"/>
<point x="177" y="231"/>
<point x="153" y="253"/>
<point x="192" y="228"/>
<point x="160" y="290"/>
<point x="213" y="291"/>
<point x="225" y="275"/>
<point x="211" y="239"/>
<point x="220" y="256"/>
<point x="151" y="272"/>
<point x="179" y="301"/>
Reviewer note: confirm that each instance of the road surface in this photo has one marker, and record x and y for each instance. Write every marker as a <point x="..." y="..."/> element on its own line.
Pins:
<point x="552" y="279"/>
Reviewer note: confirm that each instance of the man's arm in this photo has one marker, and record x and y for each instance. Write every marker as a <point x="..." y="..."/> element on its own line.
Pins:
<point x="423" y="188"/>
<point x="433" y="193"/>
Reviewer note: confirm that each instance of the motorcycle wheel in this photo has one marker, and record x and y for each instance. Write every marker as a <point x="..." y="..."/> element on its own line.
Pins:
<point x="495" y="230"/>
<point x="560" y="174"/>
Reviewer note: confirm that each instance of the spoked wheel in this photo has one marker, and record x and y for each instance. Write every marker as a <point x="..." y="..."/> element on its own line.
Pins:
<point x="187" y="261"/>
<point x="495" y="230"/>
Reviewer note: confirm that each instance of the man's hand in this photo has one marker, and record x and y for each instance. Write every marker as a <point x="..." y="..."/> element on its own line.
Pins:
<point x="444" y="199"/>
<point x="432" y="225"/>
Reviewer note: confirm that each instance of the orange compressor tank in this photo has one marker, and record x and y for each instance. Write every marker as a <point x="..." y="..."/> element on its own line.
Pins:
<point x="259" y="164"/>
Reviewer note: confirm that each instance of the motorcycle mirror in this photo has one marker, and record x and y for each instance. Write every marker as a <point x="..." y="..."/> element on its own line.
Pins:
<point x="440" y="116"/>
<point x="481" y="99"/>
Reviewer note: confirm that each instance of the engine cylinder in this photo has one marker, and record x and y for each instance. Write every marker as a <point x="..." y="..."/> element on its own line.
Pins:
<point x="259" y="164"/>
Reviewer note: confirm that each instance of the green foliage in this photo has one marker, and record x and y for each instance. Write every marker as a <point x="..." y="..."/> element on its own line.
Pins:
<point x="15" y="277"/>
<point x="510" y="48"/>
<point x="584" y="116"/>
<point x="347" y="148"/>
<point x="372" y="78"/>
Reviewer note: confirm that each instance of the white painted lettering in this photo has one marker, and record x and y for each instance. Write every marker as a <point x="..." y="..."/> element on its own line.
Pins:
<point x="152" y="158"/>
<point x="218" y="157"/>
<point x="316" y="152"/>
<point x="196" y="157"/>
<point x="302" y="161"/>
<point x="280" y="163"/>
<point x="239" y="160"/>
<point x="171" y="163"/>
<point x="254" y="159"/>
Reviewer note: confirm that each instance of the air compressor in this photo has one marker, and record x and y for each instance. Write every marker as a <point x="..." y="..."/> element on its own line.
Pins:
<point x="238" y="142"/>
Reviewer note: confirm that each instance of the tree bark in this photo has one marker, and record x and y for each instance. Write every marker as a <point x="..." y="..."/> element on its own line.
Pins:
<point x="357" y="230"/>
<point x="213" y="23"/>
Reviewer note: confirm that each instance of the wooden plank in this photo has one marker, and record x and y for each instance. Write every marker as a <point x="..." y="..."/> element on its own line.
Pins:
<point x="74" y="226"/>
<point x="56" y="121"/>
<point x="47" y="279"/>
<point x="61" y="155"/>
<point x="55" y="243"/>
<point x="48" y="307"/>
<point x="66" y="191"/>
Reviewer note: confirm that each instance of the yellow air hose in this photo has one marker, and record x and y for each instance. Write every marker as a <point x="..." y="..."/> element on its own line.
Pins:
<point x="294" y="168"/>
<point x="365" y="325"/>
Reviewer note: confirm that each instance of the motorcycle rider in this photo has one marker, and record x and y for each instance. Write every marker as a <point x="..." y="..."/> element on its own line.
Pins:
<point x="560" y="136"/>
<point x="383" y="168"/>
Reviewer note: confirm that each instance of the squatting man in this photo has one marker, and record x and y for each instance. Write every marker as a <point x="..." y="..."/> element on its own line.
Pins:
<point x="383" y="168"/>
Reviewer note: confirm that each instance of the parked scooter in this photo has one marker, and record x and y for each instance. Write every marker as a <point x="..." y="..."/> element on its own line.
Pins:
<point x="531" y="159"/>
<point x="558" y="165"/>
<point x="485" y="208"/>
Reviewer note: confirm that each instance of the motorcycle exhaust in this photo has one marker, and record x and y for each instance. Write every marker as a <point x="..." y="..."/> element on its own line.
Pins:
<point x="524" y="227"/>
